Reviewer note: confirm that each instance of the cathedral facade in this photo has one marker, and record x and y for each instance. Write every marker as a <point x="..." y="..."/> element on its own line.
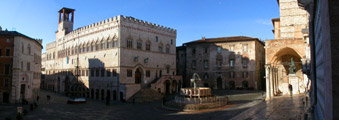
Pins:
<point x="111" y="59"/>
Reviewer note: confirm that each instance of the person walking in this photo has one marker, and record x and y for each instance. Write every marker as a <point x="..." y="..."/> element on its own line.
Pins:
<point x="290" y="88"/>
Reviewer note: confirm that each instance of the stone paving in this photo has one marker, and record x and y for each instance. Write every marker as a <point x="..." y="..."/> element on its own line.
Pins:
<point x="56" y="109"/>
<point x="278" y="108"/>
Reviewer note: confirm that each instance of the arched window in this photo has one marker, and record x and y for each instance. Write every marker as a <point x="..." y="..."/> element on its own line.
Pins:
<point x="29" y="48"/>
<point x="156" y="39"/>
<point x="139" y="44"/>
<point x="167" y="49"/>
<point x="102" y="45"/>
<point x="83" y="48"/>
<point x="88" y="47"/>
<point x="97" y="47"/>
<point x="160" y="48"/>
<point x="108" y="43"/>
<point x="148" y="46"/>
<point x="129" y="43"/>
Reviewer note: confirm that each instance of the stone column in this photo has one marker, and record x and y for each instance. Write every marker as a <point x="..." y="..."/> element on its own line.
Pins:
<point x="267" y="68"/>
<point x="271" y="82"/>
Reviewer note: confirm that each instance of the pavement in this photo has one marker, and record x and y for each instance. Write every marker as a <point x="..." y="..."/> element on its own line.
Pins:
<point x="246" y="106"/>
<point x="278" y="108"/>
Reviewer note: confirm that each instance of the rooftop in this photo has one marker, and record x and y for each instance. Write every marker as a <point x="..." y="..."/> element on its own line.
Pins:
<point x="15" y="33"/>
<point x="225" y="39"/>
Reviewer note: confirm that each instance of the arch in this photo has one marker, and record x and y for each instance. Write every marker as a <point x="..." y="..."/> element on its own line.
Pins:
<point x="114" y="95"/>
<point x="285" y="51"/>
<point x="108" y="96"/>
<point x="167" y="85"/>
<point x="102" y="94"/>
<point x="219" y="83"/>
<point x="245" y="84"/>
<point x="174" y="86"/>
<point x="138" y="75"/>
<point x="232" y="85"/>
<point x="97" y="94"/>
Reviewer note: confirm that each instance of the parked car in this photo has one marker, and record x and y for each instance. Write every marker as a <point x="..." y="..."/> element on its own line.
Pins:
<point x="76" y="101"/>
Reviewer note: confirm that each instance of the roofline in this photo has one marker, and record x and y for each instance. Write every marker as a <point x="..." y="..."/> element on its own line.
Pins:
<point x="236" y="40"/>
<point x="23" y="35"/>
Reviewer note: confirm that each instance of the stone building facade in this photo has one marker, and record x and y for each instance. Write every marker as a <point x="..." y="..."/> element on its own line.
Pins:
<point x="323" y="67"/>
<point x="290" y="42"/>
<point x="111" y="59"/>
<point x="223" y="63"/>
<point x="20" y="67"/>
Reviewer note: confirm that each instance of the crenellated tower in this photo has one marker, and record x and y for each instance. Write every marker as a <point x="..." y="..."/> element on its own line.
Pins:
<point x="66" y="19"/>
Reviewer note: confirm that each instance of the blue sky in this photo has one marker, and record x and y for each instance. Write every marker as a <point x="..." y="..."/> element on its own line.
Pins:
<point x="193" y="19"/>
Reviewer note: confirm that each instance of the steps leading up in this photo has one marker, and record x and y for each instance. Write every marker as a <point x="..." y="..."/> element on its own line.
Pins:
<point x="145" y="95"/>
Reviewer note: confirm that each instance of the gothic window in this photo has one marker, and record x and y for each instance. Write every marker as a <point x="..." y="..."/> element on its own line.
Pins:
<point x="139" y="44"/>
<point x="219" y="50"/>
<point x="231" y="63"/>
<point x="129" y="43"/>
<point x="244" y="47"/>
<point x="97" y="47"/>
<point x="160" y="48"/>
<point x="116" y="43"/>
<point x="102" y="47"/>
<point x="148" y="46"/>
<point x="219" y="63"/>
<point x="167" y="49"/>
<point x="171" y="41"/>
<point x="194" y="64"/>
<point x="205" y="64"/>
<point x="244" y="62"/>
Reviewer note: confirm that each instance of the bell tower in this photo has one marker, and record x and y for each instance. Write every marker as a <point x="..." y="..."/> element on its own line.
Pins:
<point x="66" y="19"/>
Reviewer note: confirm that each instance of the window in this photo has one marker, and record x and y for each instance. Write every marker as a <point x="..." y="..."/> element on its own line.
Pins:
<point x="28" y="66"/>
<point x="206" y="76"/>
<point x="148" y="46"/>
<point x="245" y="74"/>
<point x="139" y="45"/>
<point x="232" y="48"/>
<point x="102" y="72"/>
<point x="108" y="73"/>
<point x="219" y="62"/>
<point x="8" y="51"/>
<point x="8" y="40"/>
<point x="167" y="69"/>
<point x="129" y="73"/>
<point x="148" y="73"/>
<point x="194" y="64"/>
<point x="7" y="69"/>
<point x="232" y="74"/>
<point x="193" y="51"/>
<point x="22" y="48"/>
<point x="97" y="47"/>
<point x="156" y="39"/>
<point x="244" y="63"/>
<point x="102" y="45"/>
<point x="29" y="49"/>
<point x="167" y="49"/>
<point x="129" y="43"/>
<point x="171" y="41"/>
<point x="160" y="48"/>
<point x="205" y="64"/>
<point x="231" y="63"/>
<point x="244" y="47"/>
<point x="116" y="43"/>
<point x="6" y="83"/>
<point x="97" y="72"/>
<point x="206" y="49"/>
<point x="114" y="72"/>
<point x="109" y="44"/>
<point x="219" y="50"/>
<point x="92" y="72"/>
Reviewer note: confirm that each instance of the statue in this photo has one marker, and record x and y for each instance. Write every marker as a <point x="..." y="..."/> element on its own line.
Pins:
<point x="292" y="69"/>
<point x="195" y="79"/>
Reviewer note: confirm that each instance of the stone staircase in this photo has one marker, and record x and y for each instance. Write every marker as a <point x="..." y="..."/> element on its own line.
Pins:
<point x="146" y="94"/>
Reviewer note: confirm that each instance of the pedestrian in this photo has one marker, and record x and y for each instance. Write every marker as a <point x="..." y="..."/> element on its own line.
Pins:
<point x="290" y="88"/>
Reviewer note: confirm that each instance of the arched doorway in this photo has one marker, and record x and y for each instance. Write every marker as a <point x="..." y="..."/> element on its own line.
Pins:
<point x="121" y="96"/>
<point x="174" y="86"/>
<point x="219" y="83"/>
<point x="138" y="76"/>
<point x="114" y="95"/>
<point x="167" y="87"/>
<point x="108" y="95"/>
<point x="97" y="94"/>
<point x="102" y="94"/>
<point x="92" y="93"/>
<point x="232" y="85"/>
<point x="245" y="84"/>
